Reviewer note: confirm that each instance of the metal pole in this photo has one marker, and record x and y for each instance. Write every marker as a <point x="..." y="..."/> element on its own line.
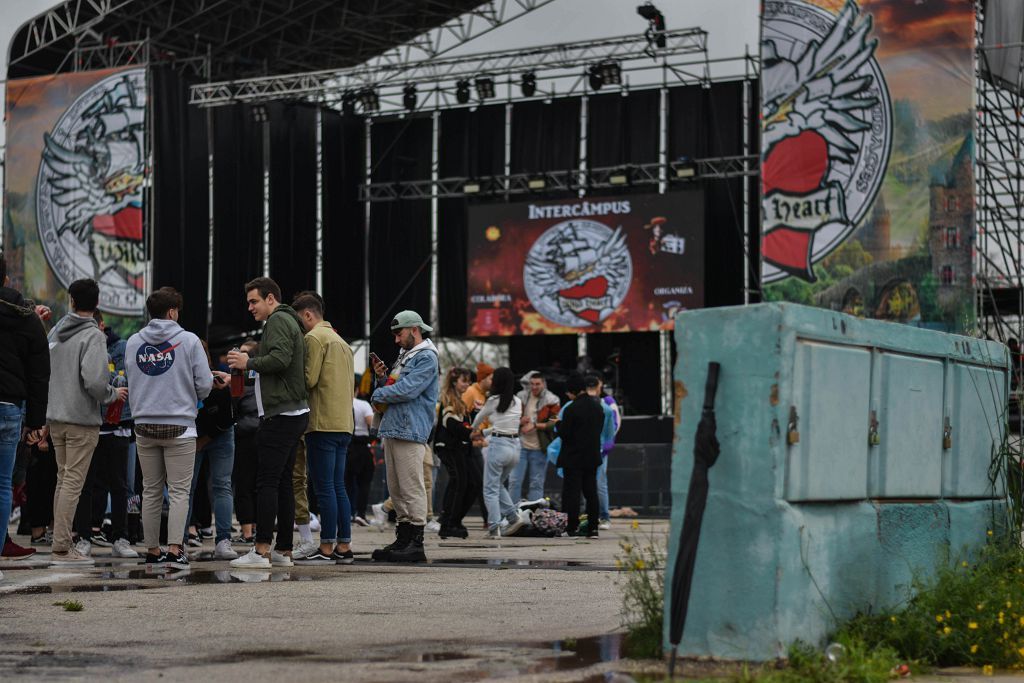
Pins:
<point x="435" y="172"/>
<point x="319" y="201"/>
<point x="367" y="170"/>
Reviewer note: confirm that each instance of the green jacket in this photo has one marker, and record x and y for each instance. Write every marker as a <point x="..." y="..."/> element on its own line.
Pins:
<point x="329" y="373"/>
<point x="281" y="363"/>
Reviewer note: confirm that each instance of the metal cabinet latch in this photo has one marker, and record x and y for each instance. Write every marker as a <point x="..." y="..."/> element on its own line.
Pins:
<point x="873" y="438"/>
<point x="947" y="435"/>
<point x="792" y="433"/>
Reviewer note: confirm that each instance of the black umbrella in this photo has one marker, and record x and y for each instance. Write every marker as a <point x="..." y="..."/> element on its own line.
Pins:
<point x="705" y="453"/>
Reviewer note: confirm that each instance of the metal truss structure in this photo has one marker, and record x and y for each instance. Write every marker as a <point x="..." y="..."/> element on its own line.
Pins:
<point x="260" y="37"/>
<point x="436" y="79"/>
<point x="999" y="197"/>
<point x="573" y="180"/>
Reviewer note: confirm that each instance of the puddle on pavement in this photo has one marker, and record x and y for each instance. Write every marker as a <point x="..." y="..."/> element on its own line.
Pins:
<point x="190" y="577"/>
<point x="521" y="564"/>
<point x="82" y="588"/>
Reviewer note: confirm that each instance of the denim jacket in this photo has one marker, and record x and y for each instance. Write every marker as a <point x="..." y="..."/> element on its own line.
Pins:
<point x="412" y="399"/>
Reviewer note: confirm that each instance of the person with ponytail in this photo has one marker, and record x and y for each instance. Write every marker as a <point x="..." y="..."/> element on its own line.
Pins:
<point x="503" y="409"/>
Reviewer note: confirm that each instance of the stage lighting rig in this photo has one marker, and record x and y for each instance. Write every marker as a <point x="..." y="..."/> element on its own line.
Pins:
<point x="348" y="103"/>
<point x="537" y="183"/>
<point x="620" y="176"/>
<point x="259" y="113"/>
<point x="369" y="99"/>
<point x="471" y="187"/>
<point x="409" y="96"/>
<point x="608" y="72"/>
<point x="655" y="32"/>
<point x="462" y="91"/>
<point x="528" y="85"/>
<point x="484" y="87"/>
<point x="684" y="168"/>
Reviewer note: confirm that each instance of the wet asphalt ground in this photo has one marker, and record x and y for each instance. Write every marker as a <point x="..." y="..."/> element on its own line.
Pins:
<point x="520" y="609"/>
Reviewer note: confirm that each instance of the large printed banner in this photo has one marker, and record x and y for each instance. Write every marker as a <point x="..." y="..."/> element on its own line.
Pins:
<point x="866" y="157"/>
<point x="610" y="264"/>
<point x="75" y="170"/>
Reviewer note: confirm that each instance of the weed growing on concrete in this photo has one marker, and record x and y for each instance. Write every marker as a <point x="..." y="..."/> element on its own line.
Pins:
<point x="70" y="605"/>
<point x="971" y="613"/>
<point x="856" y="663"/>
<point x="643" y="594"/>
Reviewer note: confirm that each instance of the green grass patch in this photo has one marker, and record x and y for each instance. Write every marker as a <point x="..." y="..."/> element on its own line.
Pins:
<point x="70" y="605"/>
<point x="643" y="594"/>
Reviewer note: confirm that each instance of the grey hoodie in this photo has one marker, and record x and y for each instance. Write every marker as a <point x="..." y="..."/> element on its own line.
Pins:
<point x="168" y="374"/>
<point x="79" y="376"/>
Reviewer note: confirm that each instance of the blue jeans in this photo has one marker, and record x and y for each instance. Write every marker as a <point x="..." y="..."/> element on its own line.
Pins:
<point x="10" y="435"/>
<point x="532" y="464"/>
<point x="602" y="488"/>
<point x="500" y="459"/>
<point x="221" y="452"/>
<point x="325" y="455"/>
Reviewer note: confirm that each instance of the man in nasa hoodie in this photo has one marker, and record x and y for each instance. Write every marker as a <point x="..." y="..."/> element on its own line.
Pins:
<point x="168" y="375"/>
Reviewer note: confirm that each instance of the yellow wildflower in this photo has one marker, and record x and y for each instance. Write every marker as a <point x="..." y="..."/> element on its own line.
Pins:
<point x="989" y="532"/>
<point x="628" y="547"/>
<point x="987" y="669"/>
<point x="892" y="619"/>
<point x="947" y="630"/>
<point x="939" y="618"/>
<point x="972" y="625"/>
<point x="1021" y="621"/>
<point x="974" y="648"/>
<point x="1000" y="617"/>
<point x="618" y="564"/>
<point x="1006" y="636"/>
<point x="1009" y="604"/>
<point x="964" y="563"/>
<point x="948" y="615"/>
<point x="1020" y="651"/>
<point x="980" y="606"/>
<point x="639" y="565"/>
<point x="636" y="524"/>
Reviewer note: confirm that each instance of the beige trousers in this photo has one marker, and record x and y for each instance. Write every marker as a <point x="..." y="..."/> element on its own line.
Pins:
<point x="73" y="446"/>
<point x="299" y="478"/>
<point x="170" y="462"/>
<point x="404" y="462"/>
<point x="428" y="484"/>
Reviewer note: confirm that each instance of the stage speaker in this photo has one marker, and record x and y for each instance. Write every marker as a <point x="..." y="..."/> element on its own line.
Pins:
<point x="1002" y="36"/>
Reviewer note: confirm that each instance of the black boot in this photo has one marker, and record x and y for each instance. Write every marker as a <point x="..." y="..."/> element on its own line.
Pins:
<point x="401" y="538"/>
<point x="412" y="551"/>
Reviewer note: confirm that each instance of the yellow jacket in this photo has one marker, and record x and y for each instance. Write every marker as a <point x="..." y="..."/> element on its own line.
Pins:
<point x="330" y="378"/>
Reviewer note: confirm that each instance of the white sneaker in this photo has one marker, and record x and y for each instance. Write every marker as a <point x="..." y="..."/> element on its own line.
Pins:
<point x="304" y="549"/>
<point x="380" y="518"/>
<point x="280" y="560"/>
<point x="224" y="551"/>
<point x="84" y="548"/>
<point x="522" y="520"/>
<point x="122" y="548"/>
<point x="15" y="515"/>
<point x="604" y="524"/>
<point x="360" y="521"/>
<point x="71" y="558"/>
<point x="432" y="527"/>
<point x="1" y="576"/>
<point x="314" y="523"/>
<point x="251" y="559"/>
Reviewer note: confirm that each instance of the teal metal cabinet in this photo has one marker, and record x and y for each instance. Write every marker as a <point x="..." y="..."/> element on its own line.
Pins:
<point x="855" y="453"/>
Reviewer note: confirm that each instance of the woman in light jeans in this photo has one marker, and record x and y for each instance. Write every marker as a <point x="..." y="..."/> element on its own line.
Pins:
<point x="503" y="409"/>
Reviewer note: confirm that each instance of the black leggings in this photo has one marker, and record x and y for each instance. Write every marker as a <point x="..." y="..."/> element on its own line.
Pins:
<point x="575" y="481"/>
<point x="359" y="475"/>
<point x="457" y="496"/>
<point x="40" y="484"/>
<point x="108" y="473"/>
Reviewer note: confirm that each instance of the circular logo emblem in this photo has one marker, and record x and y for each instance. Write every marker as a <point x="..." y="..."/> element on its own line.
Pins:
<point x="578" y="272"/>
<point x="155" y="359"/>
<point x="89" y="192"/>
<point x="827" y="132"/>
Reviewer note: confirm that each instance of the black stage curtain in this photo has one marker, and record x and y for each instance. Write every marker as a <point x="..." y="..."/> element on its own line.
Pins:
<point x="545" y="137"/>
<point x="629" y="362"/>
<point x="472" y="145"/>
<point x="543" y="352"/>
<point x="344" y="258"/>
<point x="399" y="259"/>
<point x="181" y="217"/>
<point x="237" y="216"/>
<point x="292" y="197"/>
<point x="709" y="123"/>
<point x="622" y="130"/>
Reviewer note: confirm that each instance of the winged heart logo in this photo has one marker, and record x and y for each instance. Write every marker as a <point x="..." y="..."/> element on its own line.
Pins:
<point x="827" y="132"/>
<point x="578" y="272"/>
<point x="89" y="191"/>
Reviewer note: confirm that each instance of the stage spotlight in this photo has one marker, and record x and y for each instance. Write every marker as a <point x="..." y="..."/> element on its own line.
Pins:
<point x="369" y="99"/>
<point x="462" y="91"/>
<point x="538" y="183"/>
<point x="685" y="167"/>
<point x="409" y="96"/>
<point x="259" y="113"/>
<point x="608" y="72"/>
<point x="594" y="78"/>
<point x="655" y="32"/>
<point x="619" y="176"/>
<point x="484" y="87"/>
<point x="471" y="187"/>
<point x="529" y="84"/>
<point x="348" y="102"/>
